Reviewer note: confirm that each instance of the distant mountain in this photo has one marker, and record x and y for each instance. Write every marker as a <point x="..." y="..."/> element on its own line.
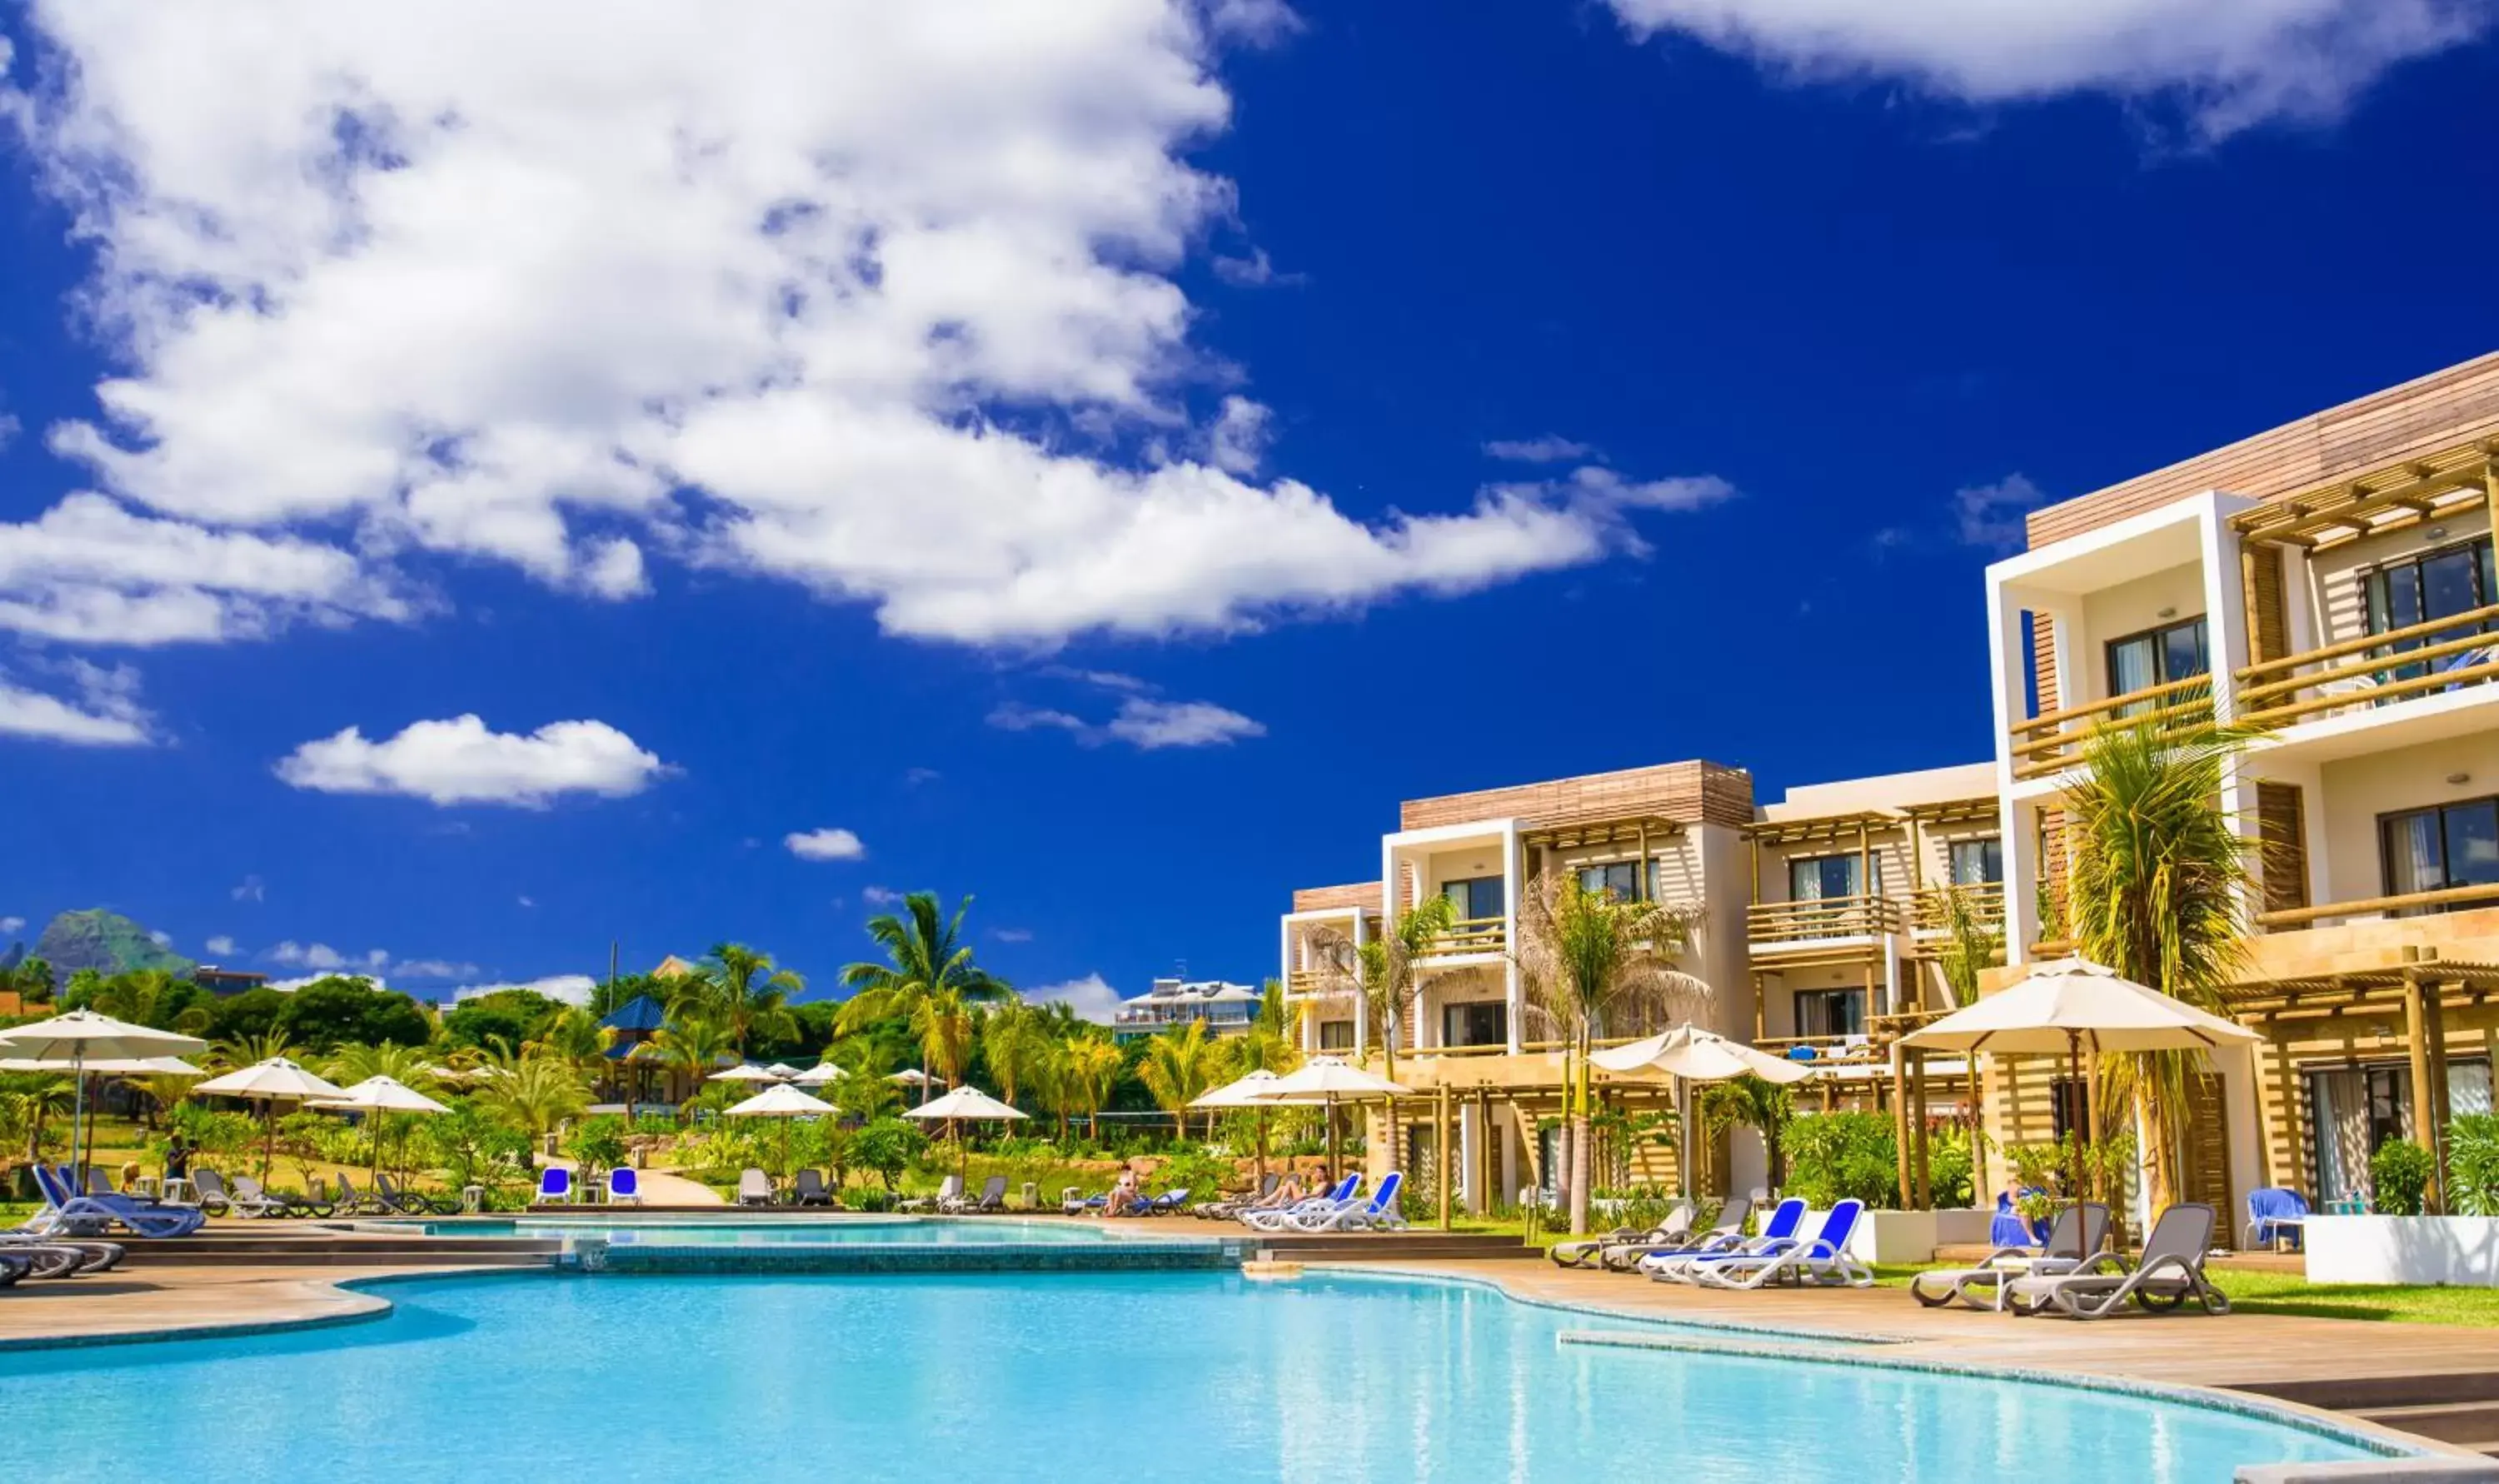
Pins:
<point x="105" y="942"/>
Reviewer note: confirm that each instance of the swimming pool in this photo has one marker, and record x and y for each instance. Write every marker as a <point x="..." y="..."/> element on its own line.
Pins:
<point x="1205" y="1376"/>
<point x="808" y="1231"/>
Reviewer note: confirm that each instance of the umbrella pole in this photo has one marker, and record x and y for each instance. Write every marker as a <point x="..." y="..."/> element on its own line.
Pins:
<point x="2082" y="1130"/>
<point x="78" y="1115"/>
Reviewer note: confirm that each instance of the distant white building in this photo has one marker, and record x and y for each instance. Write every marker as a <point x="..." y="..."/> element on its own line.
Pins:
<point x="1227" y="1009"/>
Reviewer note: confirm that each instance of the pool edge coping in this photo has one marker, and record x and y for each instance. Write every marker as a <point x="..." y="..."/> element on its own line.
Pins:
<point x="1724" y="1338"/>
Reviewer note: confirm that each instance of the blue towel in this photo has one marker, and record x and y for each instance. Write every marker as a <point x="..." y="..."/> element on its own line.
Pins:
<point x="2275" y="1214"/>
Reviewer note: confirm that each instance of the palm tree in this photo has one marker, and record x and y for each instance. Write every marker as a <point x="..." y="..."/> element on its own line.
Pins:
<point x="1267" y="1045"/>
<point x="695" y="1045"/>
<point x="1092" y="1067"/>
<point x="2156" y="882"/>
<point x="942" y="1024"/>
<point x="1971" y="945"/>
<point x="741" y="989"/>
<point x="1016" y="1042"/>
<point x="27" y="1103"/>
<point x="926" y="955"/>
<point x="1592" y="961"/>
<point x="1755" y="1104"/>
<point x="149" y="997"/>
<point x="1382" y="969"/>
<point x="241" y="1051"/>
<point x="1179" y="1067"/>
<point x="410" y="1066"/>
<point x="538" y="1092"/>
<point x="575" y="1036"/>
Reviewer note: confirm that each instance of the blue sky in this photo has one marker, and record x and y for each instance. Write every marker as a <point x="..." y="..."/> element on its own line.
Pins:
<point x="1063" y="456"/>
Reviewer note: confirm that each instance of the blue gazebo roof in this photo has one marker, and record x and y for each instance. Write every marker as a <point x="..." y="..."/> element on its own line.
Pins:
<point x="641" y="1014"/>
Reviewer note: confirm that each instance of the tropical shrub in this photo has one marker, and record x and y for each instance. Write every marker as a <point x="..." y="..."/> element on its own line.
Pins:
<point x="2473" y="1165"/>
<point x="1200" y="1173"/>
<point x="1837" y="1157"/>
<point x="1948" y="1168"/>
<point x="870" y="1197"/>
<point x="471" y="1146"/>
<point x="212" y="1136"/>
<point x="888" y="1147"/>
<point x="597" y="1144"/>
<point x="2400" y="1177"/>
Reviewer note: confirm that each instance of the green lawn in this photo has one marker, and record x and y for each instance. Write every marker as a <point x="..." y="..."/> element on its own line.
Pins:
<point x="2256" y="1292"/>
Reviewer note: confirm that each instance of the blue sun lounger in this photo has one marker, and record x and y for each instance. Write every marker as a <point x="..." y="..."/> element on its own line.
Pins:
<point x="1291" y="1217"/>
<point x="1822" y="1258"/>
<point x="1779" y="1227"/>
<point x="1354" y="1216"/>
<point x="148" y="1219"/>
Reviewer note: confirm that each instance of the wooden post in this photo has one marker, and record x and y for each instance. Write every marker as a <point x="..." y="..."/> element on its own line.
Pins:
<point x="1918" y="1123"/>
<point x="2442" y="1101"/>
<point x="1864" y="860"/>
<point x="2417" y="1043"/>
<point x="1761" y="1009"/>
<point x="1487" y="1153"/>
<point x="1901" y="1126"/>
<point x="1640" y="886"/>
<point x="1445" y="1154"/>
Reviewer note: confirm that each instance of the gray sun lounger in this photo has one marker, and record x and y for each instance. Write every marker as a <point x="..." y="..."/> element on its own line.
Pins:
<point x="753" y="1188"/>
<point x="2169" y="1272"/>
<point x="2079" y="1232"/>
<point x="808" y="1189"/>
<point x="949" y="1190"/>
<point x="1724" y="1233"/>
<point x="1585" y="1251"/>
<point x="215" y="1198"/>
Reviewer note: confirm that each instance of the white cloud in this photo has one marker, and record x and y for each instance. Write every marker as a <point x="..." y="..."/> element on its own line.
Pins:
<point x="528" y="902"/>
<point x="827" y="844"/>
<point x="251" y="889"/>
<point x="571" y="988"/>
<point x="220" y="945"/>
<point x="433" y="968"/>
<point x="1256" y="270"/>
<point x="11" y="925"/>
<point x="161" y="938"/>
<point x="290" y="986"/>
<point x="2226" y="63"/>
<point x="880" y="896"/>
<point x="10" y="427"/>
<point x="105" y="713"/>
<point x="1013" y="934"/>
<point x="877" y="299"/>
<point x="1544" y="450"/>
<point x="1993" y="516"/>
<point x="90" y="571"/>
<point x="315" y="955"/>
<point x="1092" y="998"/>
<point x="915" y="777"/>
<point x="459" y="762"/>
<point x="1239" y="438"/>
<point x="1156" y="723"/>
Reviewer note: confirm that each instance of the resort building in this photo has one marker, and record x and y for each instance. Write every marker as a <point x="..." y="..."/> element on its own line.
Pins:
<point x="2330" y="584"/>
<point x="1225" y="1009"/>
<point x="222" y="983"/>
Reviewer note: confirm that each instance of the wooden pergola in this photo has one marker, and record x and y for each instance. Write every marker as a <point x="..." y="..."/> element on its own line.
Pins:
<point x="2423" y="987"/>
<point x="2410" y="493"/>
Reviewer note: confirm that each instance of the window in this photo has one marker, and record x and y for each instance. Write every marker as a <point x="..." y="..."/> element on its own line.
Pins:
<point x="2450" y="845"/>
<point x="1335" y="1035"/>
<point x="2068" y="1107"/>
<point x="2425" y="588"/>
<point x="1819" y="878"/>
<point x="1476" y="897"/>
<point x="1477" y="1023"/>
<point x="1831" y="1012"/>
<point x="1621" y="878"/>
<point x="2156" y="657"/>
<point x="1977" y="862"/>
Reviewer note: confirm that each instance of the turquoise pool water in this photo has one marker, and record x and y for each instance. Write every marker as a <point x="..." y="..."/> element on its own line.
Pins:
<point x="812" y="1231"/>
<point x="1202" y="1376"/>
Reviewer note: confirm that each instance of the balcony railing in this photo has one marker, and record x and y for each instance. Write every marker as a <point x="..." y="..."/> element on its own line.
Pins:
<point x="1932" y="910"/>
<point x="1308" y="983"/>
<point x="2403" y="904"/>
<point x="1769" y="924"/>
<point x="2372" y="670"/>
<point x="1469" y="935"/>
<point x="2052" y="741"/>
<point x="1827" y="1050"/>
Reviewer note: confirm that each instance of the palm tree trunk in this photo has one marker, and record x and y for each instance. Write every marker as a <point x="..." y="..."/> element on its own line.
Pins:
<point x="1579" y="1152"/>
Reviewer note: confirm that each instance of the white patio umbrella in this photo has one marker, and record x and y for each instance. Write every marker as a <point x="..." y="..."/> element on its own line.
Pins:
<point x="782" y="1069"/>
<point x="912" y="1077"/>
<point x="1691" y="1055"/>
<point x="381" y="1094"/>
<point x="969" y="1103"/>
<point x="783" y="1103"/>
<point x="2070" y="1005"/>
<point x="76" y="1041"/>
<point x="743" y="1071"/>
<point x="1242" y="1093"/>
<point x="269" y="1084"/>
<point x="1324" y="1081"/>
<point x="821" y="1074"/>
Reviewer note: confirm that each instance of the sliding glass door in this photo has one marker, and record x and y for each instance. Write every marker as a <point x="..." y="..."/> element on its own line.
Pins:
<point x="2446" y="845"/>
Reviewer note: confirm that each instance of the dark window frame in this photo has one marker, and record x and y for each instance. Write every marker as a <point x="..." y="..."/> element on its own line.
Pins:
<point x="2160" y="650"/>
<point x="1497" y="1010"/>
<point x="1842" y="995"/>
<point x="1952" y="873"/>
<point x="1873" y="868"/>
<point x="2387" y="855"/>
<point x="2484" y="570"/>
<point x="1501" y="889"/>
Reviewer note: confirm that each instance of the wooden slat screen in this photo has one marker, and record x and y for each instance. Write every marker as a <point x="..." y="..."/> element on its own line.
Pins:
<point x="2268" y="622"/>
<point x="1361" y="893"/>
<point x="2283" y="860"/>
<point x="1689" y="792"/>
<point x="2204" y="1166"/>
<point x="2422" y="416"/>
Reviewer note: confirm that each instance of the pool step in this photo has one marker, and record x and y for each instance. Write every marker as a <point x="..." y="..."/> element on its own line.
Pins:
<point x="220" y="1250"/>
<point x="2459" y="1406"/>
<point x="1391" y="1246"/>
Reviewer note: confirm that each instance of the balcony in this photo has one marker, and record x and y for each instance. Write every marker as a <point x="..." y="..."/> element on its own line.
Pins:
<point x="1316" y="984"/>
<point x="2052" y="741"/>
<point x="2409" y="904"/>
<point x="1774" y="925"/>
<point x="1470" y="936"/>
<point x="1931" y="911"/>
<point x="2374" y="670"/>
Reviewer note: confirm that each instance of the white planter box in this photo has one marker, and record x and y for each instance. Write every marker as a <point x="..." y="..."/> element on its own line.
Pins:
<point x="1907" y="1235"/>
<point x="2404" y="1249"/>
